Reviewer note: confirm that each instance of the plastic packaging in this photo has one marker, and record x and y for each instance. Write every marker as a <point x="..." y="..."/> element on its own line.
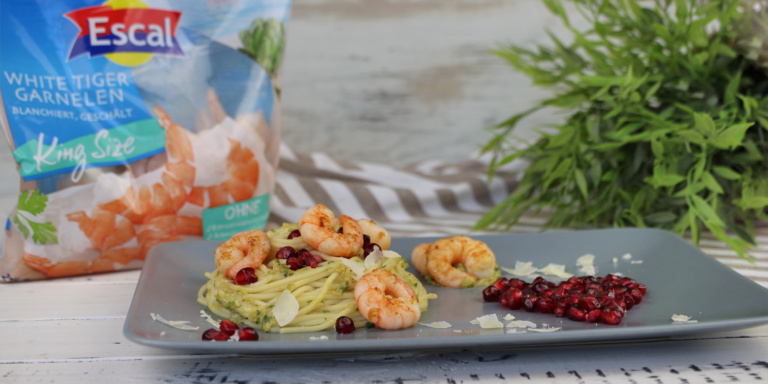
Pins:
<point x="134" y="123"/>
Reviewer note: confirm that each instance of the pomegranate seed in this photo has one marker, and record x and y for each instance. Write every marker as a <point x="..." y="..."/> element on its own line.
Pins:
<point x="500" y="283"/>
<point x="594" y="315"/>
<point x="529" y="304"/>
<point x="590" y="303"/>
<point x="247" y="334"/>
<point x="539" y="287"/>
<point x="639" y="286"/>
<point x="306" y="259"/>
<point x="545" y="305"/>
<point x="512" y="299"/>
<point x="627" y="299"/>
<point x="285" y="252"/>
<point x="626" y="281"/>
<point x="517" y="283"/>
<point x="576" y="313"/>
<point x="246" y="276"/>
<point x="345" y="325"/>
<point x="491" y="293"/>
<point x="611" y="315"/>
<point x="228" y="327"/>
<point x="214" y="334"/>
<point x="560" y="292"/>
<point x="575" y="281"/>
<point x="559" y="311"/>
<point x="294" y="263"/>
<point x="340" y="230"/>
<point x="366" y="240"/>
<point x="294" y="234"/>
<point x="537" y="279"/>
<point x="636" y="294"/>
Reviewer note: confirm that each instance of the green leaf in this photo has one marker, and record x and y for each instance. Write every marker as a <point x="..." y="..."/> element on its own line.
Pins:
<point x="731" y="137"/>
<point x="704" y="124"/>
<point x="726" y="172"/>
<point x="581" y="182"/>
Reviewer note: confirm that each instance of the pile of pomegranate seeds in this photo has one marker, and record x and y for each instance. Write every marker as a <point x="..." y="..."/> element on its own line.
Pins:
<point x="345" y="325"/>
<point x="585" y="298"/>
<point x="227" y="330"/>
<point x="297" y="260"/>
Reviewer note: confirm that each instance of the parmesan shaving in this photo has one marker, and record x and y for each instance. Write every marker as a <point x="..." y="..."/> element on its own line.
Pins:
<point x="488" y="321"/>
<point x="178" y="324"/>
<point x="522" y="268"/>
<point x="437" y="324"/>
<point x="323" y="337"/>
<point x="588" y="259"/>
<point x="683" y="319"/>
<point x="550" y="329"/>
<point x="357" y="267"/>
<point x="286" y="308"/>
<point x="626" y="256"/>
<point x="516" y="330"/>
<point x="508" y="317"/>
<point x="391" y="254"/>
<point x="209" y="319"/>
<point x="373" y="258"/>
<point x="521" y="324"/>
<point x="557" y="270"/>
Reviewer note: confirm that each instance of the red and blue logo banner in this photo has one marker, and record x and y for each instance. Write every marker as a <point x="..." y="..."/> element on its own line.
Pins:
<point x="104" y="30"/>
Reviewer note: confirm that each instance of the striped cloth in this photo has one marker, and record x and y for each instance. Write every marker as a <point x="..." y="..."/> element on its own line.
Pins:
<point x="431" y="198"/>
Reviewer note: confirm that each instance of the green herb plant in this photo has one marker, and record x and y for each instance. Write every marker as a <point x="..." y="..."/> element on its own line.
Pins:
<point x="664" y="127"/>
<point x="30" y="205"/>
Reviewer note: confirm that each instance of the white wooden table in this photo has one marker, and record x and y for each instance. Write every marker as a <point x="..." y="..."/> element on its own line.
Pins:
<point x="361" y="74"/>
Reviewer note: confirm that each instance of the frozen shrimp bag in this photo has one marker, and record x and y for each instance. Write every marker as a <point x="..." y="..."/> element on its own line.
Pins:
<point x="134" y="123"/>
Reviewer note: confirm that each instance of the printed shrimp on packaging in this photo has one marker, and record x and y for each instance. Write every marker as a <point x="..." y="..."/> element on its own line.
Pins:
<point x="136" y="122"/>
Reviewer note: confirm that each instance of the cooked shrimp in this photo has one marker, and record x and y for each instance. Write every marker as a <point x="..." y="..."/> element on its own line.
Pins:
<point x="419" y="258"/>
<point x="166" y="228"/>
<point x="478" y="260"/>
<point x="386" y="300"/>
<point x="245" y="249"/>
<point x="142" y="202"/>
<point x="242" y="179"/>
<point x="317" y="229"/>
<point x="375" y="232"/>
<point x="109" y="233"/>
<point x="67" y="267"/>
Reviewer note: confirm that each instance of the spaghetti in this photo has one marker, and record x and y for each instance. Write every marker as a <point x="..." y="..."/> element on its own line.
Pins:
<point x="323" y="293"/>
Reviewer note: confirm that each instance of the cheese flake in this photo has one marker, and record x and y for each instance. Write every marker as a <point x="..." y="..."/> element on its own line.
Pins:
<point x="357" y="267"/>
<point x="548" y="329"/>
<point x="178" y="324"/>
<point x="588" y="259"/>
<point x="557" y="270"/>
<point x="488" y="321"/>
<point x="209" y="319"/>
<point x="437" y="324"/>
<point x="391" y="254"/>
<point x="286" y="308"/>
<point x="683" y="319"/>
<point x="373" y="258"/>
<point x="521" y="324"/>
<point x="522" y="268"/>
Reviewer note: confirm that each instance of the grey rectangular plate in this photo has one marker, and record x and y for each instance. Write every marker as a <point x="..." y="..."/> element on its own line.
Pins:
<point x="680" y="278"/>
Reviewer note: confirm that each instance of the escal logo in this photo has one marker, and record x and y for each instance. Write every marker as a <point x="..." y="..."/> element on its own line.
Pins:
<point x="127" y="32"/>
